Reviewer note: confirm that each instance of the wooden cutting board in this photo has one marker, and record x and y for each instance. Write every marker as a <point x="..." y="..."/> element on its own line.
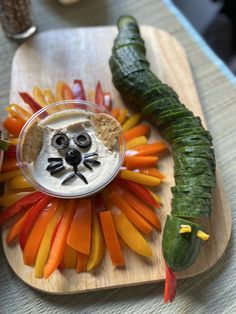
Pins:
<point x="83" y="53"/>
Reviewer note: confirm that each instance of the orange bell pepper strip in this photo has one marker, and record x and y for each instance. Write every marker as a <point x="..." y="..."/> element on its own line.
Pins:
<point x="49" y="97"/>
<point x="33" y="213"/>
<point x="70" y="257"/>
<point x="45" y="244"/>
<point x="39" y="96"/>
<point x="79" y="236"/>
<point x="34" y="105"/>
<point x="134" y="162"/>
<point x="19" y="205"/>
<point x="131" y="122"/>
<point x="116" y="200"/>
<point x="9" y="164"/>
<point x="140" y="140"/>
<point x="19" y="183"/>
<point x="115" y="112"/>
<point x="122" y="116"/>
<point x="18" y="112"/>
<point x="139" y="178"/>
<point x="13" y="125"/>
<point x="59" y="242"/>
<point x="139" y="130"/>
<point x="33" y="242"/>
<point x="98" y="244"/>
<point x="82" y="262"/>
<point x="141" y="208"/>
<point x="111" y="239"/>
<point x="131" y="236"/>
<point x="15" y="229"/>
<point x="67" y="92"/>
<point x="148" y="149"/>
<point x="154" y="172"/>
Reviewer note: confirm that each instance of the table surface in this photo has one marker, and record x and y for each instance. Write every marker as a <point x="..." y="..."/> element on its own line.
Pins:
<point x="211" y="292"/>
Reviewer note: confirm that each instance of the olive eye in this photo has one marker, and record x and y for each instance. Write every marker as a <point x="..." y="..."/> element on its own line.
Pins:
<point x="83" y="140"/>
<point x="60" y="141"/>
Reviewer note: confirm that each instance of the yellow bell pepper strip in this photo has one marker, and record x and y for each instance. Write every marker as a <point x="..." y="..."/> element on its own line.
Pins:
<point x="30" y="101"/>
<point x="78" y="90"/>
<point x="136" y="162"/>
<point x="98" y="244"/>
<point x="13" y="125"/>
<point x="19" y="205"/>
<point x="49" y="97"/>
<point x="119" y="202"/>
<point x="10" y="198"/>
<point x="111" y="239"/>
<point x="157" y="198"/>
<point x="39" y="96"/>
<point x="79" y="236"/>
<point x="144" y="194"/>
<point x="154" y="172"/>
<point x="9" y="164"/>
<point x="33" y="242"/>
<point x="139" y="178"/>
<point x="170" y="285"/>
<point x="140" y="140"/>
<point x="131" y="122"/>
<point x="9" y="175"/>
<point x="122" y="116"/>
<point x="33" y="213"/>
<point x="59" y="91"/>
<point x="70" y="257"/>
<point x="139" y="130"/>
<point x="131" y="236"/>
<point x="115" y="112"/>
<point x="148" y="149"/>
<point x="141" y="208"/>
<point x="81" y="262"/>
<point x="15" y="229"/>
<point x="45" y="244"/>
<point x="19" y="183"/>
<point x="18" y="112"/>
<point x="58" y="245"/>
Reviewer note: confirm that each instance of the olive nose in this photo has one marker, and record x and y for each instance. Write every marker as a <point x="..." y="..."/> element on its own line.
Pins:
<point x="73" y="157"/>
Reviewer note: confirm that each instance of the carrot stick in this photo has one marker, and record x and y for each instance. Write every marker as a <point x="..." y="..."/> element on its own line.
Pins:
<point x="147" y="149"/>
<point x="9" y="164"/>
<point x="111" y="238"/>
<point x="59" y="243"/>
<point x="134" y="162"/>
<point x="115" y="112"/>
<point x="139" y="178"/>
<point x="16" y="228"/>
<point x="81" y="262"/>
<point x="70" y="257"/>
<point x="33" y="243"/>
<point x="122" y="116"/>
<point x="141" y="208"/>
<point x="153" y="172"/>
<point x="139" y="130"/>
<point x="79" y="236"/>
<point x="116" y="200"/>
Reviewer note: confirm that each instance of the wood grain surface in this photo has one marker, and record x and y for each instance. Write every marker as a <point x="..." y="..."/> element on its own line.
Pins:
<point x="76" y="55"/>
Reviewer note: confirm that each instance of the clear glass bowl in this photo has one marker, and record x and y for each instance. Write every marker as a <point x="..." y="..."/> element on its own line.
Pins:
<point x="35" y="171"/>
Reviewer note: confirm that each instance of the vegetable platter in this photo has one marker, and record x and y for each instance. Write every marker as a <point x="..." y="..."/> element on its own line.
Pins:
<point x="62" y="55"/>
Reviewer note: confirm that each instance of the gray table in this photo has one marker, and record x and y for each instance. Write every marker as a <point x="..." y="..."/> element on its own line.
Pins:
<point x="211" y="292"/>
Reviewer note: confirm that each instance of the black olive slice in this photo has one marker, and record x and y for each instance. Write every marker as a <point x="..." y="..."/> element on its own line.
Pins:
<point x="83" y="140"/>
<point x="60" y="141"/>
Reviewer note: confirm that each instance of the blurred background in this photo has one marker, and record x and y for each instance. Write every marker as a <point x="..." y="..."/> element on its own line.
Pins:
<point x="215" y="20"/>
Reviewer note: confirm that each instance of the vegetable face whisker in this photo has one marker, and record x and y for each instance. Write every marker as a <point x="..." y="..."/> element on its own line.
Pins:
<point x="57" y="170"/>
<point x="53" y="165"/>
<point x="87" y="165"/>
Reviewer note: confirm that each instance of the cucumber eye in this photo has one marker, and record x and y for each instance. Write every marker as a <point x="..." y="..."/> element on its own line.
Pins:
<point x="60" y="141"/>
<point x="83" y="140"/>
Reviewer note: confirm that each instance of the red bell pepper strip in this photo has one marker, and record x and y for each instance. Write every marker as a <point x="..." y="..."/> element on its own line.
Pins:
<point x="30" y="219"/>
<point x="9" y="164"/>
<point x="67" y="92"/>
<point x="19" y="205"/>
<point x="11" y="152"/>
<point x="78" y="90"/>
<point x="13" y="125"/>
<point x="99" y="98"/>
<point x="99" y="204"/>
<point x="107" y="101"/>
<point x="30" y="101"/>
<point x="170" y="285"/>
<point x="139" y="190"/>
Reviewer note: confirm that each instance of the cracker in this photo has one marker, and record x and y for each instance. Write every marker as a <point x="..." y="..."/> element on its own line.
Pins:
<point x="32" y="142"/>
<point x="108" y="129"/>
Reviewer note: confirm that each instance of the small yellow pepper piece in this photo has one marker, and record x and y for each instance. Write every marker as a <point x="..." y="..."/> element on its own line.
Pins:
<point x="44" y="248"/>
<point x="9" y="175"/>
<point x="202" y="235"/>
<point x="122" y="116"/>
<point x="131" y="122"/>
<point x="19" y="183"/>
<point x="185" y="229"/>
<point x="139" y="178"/>
<point x="137" y="141"/>
<point x="39" y="96"/>
<point x="131" y="236"/>
<point x="13" y="140"/>
<point x="98" y="245"/>
<point x="49" y="98"/>
<point x="17" y="111"/>
<point x="156" y="197"/>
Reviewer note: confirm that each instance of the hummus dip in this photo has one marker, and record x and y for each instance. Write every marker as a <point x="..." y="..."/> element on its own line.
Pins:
<point x="93" y="166"/>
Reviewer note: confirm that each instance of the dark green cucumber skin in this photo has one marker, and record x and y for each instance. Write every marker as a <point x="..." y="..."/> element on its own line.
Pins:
<point x="191" y="144"/>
